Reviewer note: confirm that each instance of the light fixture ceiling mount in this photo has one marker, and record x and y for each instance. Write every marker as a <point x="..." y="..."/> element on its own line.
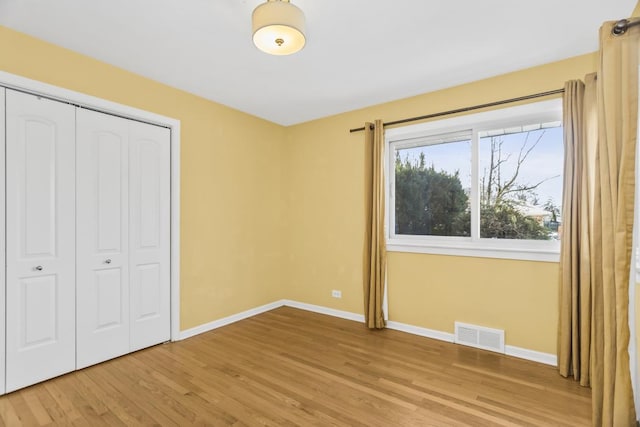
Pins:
<point x="278" y="27"/>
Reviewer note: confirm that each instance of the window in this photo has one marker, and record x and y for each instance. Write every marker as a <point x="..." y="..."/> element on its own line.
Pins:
<point x="486" y="184"/>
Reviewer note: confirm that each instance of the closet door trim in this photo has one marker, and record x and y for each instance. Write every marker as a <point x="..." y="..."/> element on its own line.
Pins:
<point x="81" y="100"/>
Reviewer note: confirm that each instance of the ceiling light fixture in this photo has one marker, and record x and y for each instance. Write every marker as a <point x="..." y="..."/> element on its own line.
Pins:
<point x="278" y="27"/>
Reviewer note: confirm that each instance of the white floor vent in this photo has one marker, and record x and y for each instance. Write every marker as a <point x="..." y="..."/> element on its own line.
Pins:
<point x="480" y="337"/>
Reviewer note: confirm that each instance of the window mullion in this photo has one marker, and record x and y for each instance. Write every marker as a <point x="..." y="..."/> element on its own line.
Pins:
<point x="474" y="196"/>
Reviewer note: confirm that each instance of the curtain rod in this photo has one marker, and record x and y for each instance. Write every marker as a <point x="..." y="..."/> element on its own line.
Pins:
<point x="465" y="109"/>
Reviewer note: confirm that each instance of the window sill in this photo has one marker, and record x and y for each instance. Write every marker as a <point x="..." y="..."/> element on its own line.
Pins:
<point x="500" y="250"/>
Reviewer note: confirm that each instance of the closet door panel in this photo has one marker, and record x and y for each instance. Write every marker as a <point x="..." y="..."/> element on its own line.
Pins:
<point x="40" y="178"/>
<point x="102" y="241"/>
<point x="149" y="234"/>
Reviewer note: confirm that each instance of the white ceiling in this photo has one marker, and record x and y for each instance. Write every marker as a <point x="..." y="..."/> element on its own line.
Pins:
<point x="358" y="52"/>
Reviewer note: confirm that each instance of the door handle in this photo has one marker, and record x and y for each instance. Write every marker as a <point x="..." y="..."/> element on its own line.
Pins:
<point x="38" y="268"/>
<point x="107" y="261"/>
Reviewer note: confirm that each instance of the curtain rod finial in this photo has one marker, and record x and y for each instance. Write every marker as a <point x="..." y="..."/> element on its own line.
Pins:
<point x="623" y="25"/>
<point x="620" y="27"/>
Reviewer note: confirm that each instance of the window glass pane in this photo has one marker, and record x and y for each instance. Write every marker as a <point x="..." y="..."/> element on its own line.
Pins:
<point x="432" y="185"/>
<point x="521" y="183"/>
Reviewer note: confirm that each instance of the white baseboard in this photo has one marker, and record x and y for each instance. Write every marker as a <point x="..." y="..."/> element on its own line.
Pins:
<point x="535" y="356"/>
<point x="423" y="332"/>
<point x="188" y="333"/>
<point x="522" y="353"/>
<point x="324" y="310"/>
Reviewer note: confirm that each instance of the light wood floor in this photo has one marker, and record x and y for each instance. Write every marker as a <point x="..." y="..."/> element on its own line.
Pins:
<point x="290" y="367"/>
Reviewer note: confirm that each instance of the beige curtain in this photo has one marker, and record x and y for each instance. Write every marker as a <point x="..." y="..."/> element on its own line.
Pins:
<point x="600" y="134"/>
<point x="617" y="93"/>
<point x="575" y="274"/>
<point x="375" y="261"/>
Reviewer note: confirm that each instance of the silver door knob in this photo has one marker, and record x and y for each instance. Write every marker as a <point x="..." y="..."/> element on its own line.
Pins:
<point x="107" y="261"/>
<point x="38" y="268"/>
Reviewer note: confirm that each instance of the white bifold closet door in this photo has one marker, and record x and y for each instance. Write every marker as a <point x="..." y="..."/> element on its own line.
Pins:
<point x="102" y="267"/>
<point x="40" y="239"/>
<point x="123" y="208"/>
<point x="149" y="234"/>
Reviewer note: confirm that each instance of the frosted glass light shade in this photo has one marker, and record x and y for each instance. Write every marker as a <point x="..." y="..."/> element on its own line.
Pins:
<point x="278" y="27"/>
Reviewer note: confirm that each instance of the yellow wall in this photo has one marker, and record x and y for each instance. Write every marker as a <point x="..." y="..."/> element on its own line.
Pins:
<point x="324" y="169"/>
<point x="231" y="184"/>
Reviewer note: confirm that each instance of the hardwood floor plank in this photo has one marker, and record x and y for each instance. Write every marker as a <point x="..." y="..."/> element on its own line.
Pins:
<point x="35" y="407"/>
<point x="115" y="391"/>
<point x="288" y="367"/>
<point x="23" y="411"/>
<point x="48" y="402"/>
<point x="8" y="414"/>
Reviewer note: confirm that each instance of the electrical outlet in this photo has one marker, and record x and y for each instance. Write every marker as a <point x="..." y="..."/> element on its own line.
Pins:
<point x="336" y="294"/>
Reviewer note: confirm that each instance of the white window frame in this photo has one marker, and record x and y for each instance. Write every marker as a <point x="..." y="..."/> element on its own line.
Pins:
<point x="404" y="137"/>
